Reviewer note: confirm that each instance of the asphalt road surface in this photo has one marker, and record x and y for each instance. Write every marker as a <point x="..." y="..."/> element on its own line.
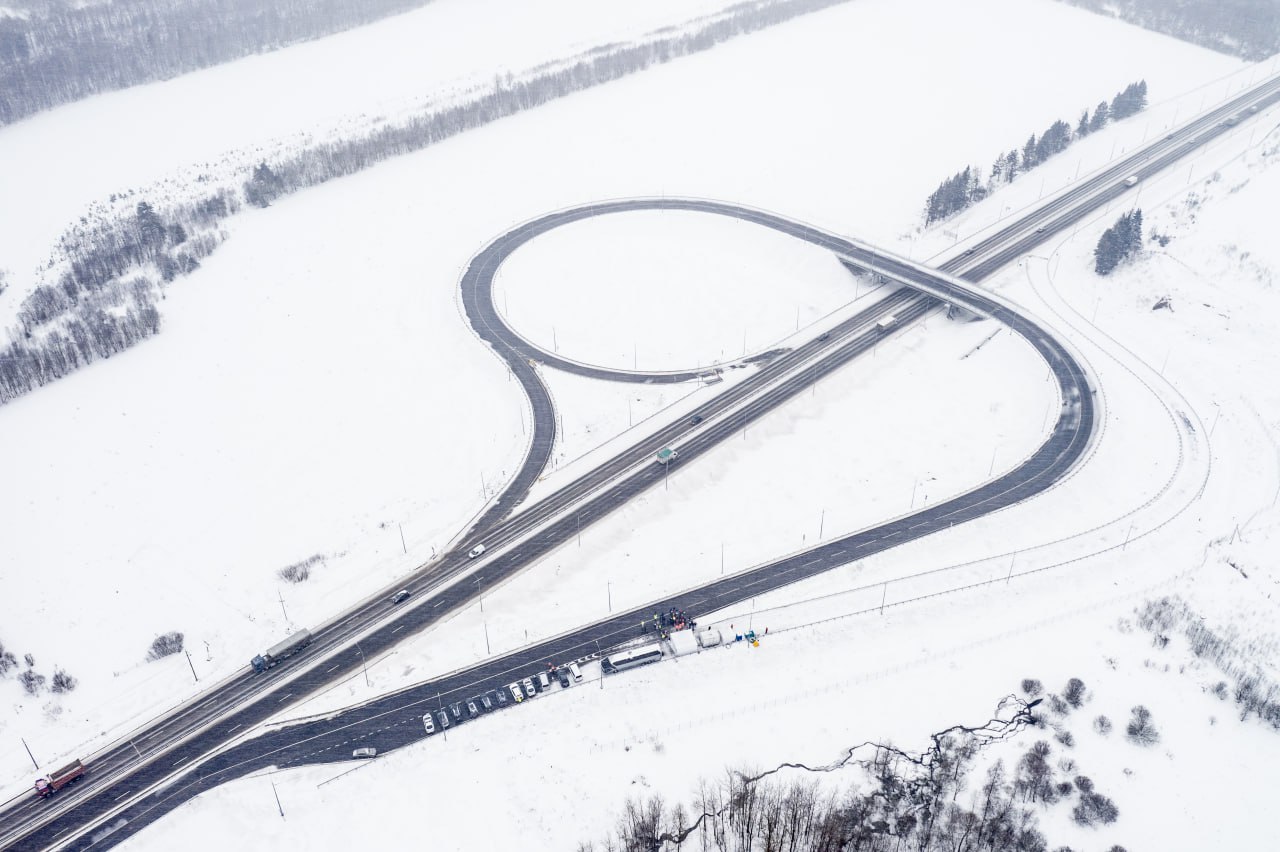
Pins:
<point x="201" y="727"/>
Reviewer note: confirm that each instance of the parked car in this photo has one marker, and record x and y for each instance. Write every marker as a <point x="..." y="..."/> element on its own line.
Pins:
<point x="428" y="724"/>
<point x="456" y="710"/>
<point x="401" y="596"/>
<point x="501" y="695"/>
<point x="529" y="689"/>
<point x="575" y="672"/>
<point x="476" y="551"/>
<point x="473" y="710"/>
<point x="365" y="752"/>
<point x="544" y="681"/>
<point x="485" y="703"/>
<point x="563" y="677"/>
<point x="516" y="694"/>
<point x="444" y="719"/>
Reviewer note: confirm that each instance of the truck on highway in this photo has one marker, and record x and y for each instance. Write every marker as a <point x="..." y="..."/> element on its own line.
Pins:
<point x="69" y="774"/>
<point x="666" y="455"/>
<point x="1131" y="180"/>
<point x="273" y="655"/>
<point x="886" y="323"/>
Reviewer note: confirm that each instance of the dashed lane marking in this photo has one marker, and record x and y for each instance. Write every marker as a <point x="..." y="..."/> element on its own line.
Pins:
<point x="290" y="695"/>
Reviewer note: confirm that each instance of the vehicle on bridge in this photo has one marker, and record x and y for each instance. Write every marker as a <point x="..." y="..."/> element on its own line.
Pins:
<point x="69" y="774"/>
<point x="273" y="655"/>
<point x="666" y="455"/>
<point x="624" y="660"/>
<point x="886" y="323"/>
<point x="1131" y="180"/>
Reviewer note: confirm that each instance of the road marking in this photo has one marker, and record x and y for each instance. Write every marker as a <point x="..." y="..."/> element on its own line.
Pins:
<point x="290" y="695"/>
<point x="184" y="760"/>
<point x="335" y="665"/>
<point x="812" y="562"/>
<point x="401" y="627"/>
<point x="121" y="796"/>
<point x="233" y="730"/>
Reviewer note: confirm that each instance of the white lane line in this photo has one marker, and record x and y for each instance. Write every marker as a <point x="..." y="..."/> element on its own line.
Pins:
<point x="335" y="665"/>
<point x="812" y="562"/>
<point x="233" y="730"/>
<point x="121" y="796"/>
<point x="290" y="695"/>
<point x="184" y="760"/>
<point x="401" y="627"/>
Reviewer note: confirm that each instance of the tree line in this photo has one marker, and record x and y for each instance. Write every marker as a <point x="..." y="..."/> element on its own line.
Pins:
<point x="106" y="298"/>
<point x="967" y="187"/>
<point x="895" y="801"/>
<point x="117" y="266"/>
<point x="1249" y="29"/>
<point x="56" y="53"/>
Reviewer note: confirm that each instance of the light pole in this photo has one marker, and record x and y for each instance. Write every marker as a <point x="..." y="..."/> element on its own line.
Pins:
<point x="365" y="665"/>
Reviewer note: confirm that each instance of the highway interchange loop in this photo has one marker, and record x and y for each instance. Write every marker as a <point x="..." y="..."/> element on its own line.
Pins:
<point x="202" y="744"/>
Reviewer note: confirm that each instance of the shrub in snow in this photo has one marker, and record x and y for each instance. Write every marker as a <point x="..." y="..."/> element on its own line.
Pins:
<point x="1141" y="730"/>
<point x="7" y="661"/>
<point x="1102" y="725"/>
<point x="63" y="682"/>
<point x="1065" y="738"/>
<point x="29" y="660"/>
<point x="31" y="681"/>
<point x="165" y="644"/>
<point x="1094" y="808"/>
<point x="1032" y="687"/>
<point x="1074" y="693"/>
<point x="1084" y="784"/>
<point x="1057" y="705"/>
<point x="299" y="572"/>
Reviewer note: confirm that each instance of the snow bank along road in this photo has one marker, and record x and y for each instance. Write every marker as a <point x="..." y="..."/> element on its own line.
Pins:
<point x="188" y="736"/>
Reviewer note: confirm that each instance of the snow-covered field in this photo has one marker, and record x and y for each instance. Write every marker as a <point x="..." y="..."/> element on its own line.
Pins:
<point x="173" y="481"/>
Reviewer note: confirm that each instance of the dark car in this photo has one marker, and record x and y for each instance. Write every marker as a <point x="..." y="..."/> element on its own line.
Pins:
<point x="502" y="697"/>
<point x="472" y="709"/>
<point x="444" y="719"/>
<point x="456" y="710"/>
<point x="401" y="596"/>
<point x="563" y="677"/>
<point x="968" y="252"/>
<point x="824" y="336"/>
<point x="695" y="419"/>
<point x="485" y="703"/>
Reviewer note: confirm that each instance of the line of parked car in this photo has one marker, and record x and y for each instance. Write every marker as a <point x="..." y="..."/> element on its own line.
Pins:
<point x="495" y="699"/>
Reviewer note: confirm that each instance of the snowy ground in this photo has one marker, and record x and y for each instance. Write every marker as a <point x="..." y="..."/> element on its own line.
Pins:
<point x="324" y="448"/>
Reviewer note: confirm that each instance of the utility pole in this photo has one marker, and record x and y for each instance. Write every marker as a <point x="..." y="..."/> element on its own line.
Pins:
<point x="992" y="467"/>
<point x="193" y="665"/>
<point x="487" y="651"/>
<point x="401" y="526"/>
<point x="609" y="590"/>
<point x="277" y="795"/>
<point x="282" y="609"/>
<point x="29" y="754"/>
<point x="822" y="519"/>
<point x="1008" y="576"/>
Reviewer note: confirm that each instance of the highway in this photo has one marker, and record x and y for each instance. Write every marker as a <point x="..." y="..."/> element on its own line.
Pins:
<point x="206" y="724"/>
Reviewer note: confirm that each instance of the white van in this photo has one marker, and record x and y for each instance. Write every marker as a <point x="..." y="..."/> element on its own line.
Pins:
<point x="544" y="681"/>
<point x="476" y="551"/>
<point x="576" y="672"/>
<point x="365" y="752"/>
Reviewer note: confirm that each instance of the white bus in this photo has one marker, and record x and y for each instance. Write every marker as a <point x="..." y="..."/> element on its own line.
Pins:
<point x="630" y="659"/>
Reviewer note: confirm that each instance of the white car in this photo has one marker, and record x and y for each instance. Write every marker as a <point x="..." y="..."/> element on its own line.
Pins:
<point x="528" y="687"/>
<point x="365" y="752"/>
<point x="476" y="551"/>
<point x="515" y="692"/>
<point x="428" y="724"/>
<point x="544" y="681"/>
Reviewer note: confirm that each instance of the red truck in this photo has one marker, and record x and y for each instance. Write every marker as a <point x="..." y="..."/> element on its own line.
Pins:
<point x="69" y="774"/>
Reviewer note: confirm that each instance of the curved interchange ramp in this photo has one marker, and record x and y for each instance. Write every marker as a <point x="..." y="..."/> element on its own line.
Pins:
<point x="394" y="720"/>
<point x="1059" y="452"/>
